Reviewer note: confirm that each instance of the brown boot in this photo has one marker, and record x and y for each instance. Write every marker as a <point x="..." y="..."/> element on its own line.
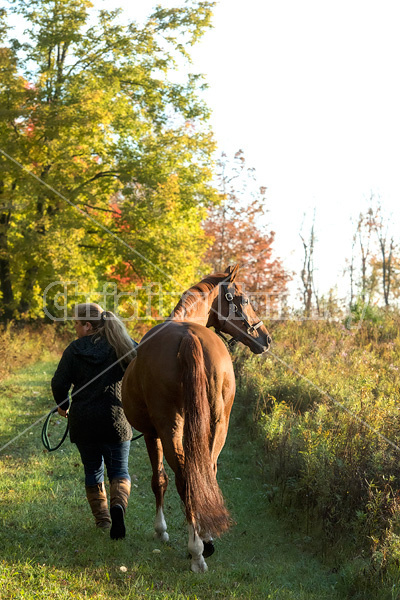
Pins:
<point x="119" y="494"/>
<point x="97" y="497"/>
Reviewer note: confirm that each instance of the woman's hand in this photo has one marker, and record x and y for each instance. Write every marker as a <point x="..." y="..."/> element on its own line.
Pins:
<point x="63" y="413"/>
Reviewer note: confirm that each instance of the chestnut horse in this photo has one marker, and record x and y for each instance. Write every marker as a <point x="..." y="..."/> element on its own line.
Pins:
<point x="179" y="392"/>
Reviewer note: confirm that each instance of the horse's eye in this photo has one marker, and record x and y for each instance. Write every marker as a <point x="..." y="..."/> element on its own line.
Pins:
<point x="245" y="300"/>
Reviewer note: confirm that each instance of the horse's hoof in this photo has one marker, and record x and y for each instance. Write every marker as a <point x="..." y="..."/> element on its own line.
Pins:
<point x="162" y="536"/>
<point x="209" y="549"/>
<point x="200" y="566"/>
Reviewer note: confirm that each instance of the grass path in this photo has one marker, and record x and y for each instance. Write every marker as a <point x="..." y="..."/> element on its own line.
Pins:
<point x="51" y="549"/>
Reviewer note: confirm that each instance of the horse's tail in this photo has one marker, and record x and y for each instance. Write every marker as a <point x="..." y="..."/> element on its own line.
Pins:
<point x="204" y="503"/>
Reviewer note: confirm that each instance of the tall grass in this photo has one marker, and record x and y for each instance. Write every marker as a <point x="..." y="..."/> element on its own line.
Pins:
<point x="22" y="344"/>
<point x="326" y="402"/>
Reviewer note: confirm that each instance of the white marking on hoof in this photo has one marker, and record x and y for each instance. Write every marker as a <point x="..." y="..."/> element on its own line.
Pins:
<point x="163" y="537"/>
<point x="160" y="527"/>
<point x="199" y="566"/>
<point x="196" y="547"/>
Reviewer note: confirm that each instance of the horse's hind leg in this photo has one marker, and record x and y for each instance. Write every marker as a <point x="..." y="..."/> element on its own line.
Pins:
<point x="196" y="548"/>
<point x="174" y="455"/>
<point x="159" y="484"/>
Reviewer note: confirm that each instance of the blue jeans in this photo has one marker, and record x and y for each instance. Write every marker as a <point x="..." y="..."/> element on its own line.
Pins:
<point x="115" y="456"/>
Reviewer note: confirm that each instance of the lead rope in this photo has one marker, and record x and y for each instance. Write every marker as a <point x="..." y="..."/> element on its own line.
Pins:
<point x="45" y="436"/>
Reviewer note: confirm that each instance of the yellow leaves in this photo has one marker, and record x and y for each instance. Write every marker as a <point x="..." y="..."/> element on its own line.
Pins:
<point x="169" y="194"/>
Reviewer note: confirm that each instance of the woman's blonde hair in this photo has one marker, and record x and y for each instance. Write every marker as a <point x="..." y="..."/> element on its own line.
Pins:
<point x="106" y="324"/>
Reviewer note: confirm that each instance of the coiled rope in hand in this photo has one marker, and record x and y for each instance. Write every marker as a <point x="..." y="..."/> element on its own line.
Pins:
<point x="45" y="436"/>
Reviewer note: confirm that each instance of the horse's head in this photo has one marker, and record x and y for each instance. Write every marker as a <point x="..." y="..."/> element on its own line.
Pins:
<point x="236" y="317"/>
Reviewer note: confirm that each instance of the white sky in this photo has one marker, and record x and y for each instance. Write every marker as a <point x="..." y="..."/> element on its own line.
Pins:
<point x="310" y="91"/>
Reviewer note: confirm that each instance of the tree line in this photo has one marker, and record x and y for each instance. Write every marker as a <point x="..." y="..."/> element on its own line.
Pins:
<point x="372" y="269"/>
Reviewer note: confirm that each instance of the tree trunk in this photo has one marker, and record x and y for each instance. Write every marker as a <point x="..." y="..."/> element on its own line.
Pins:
<point x="27" y="289"/>
<point x="6" y="312"/>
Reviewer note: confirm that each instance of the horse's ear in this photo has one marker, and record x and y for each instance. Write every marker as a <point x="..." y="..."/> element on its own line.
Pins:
<point x="231" y="272"/>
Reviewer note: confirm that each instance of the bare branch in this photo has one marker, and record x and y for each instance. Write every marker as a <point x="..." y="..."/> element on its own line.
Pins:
<point x="97" y="176"/>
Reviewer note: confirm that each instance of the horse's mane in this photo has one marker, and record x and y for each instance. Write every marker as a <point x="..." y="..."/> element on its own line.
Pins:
<point x="208" y="283"/>
<point x="204" y="287"/>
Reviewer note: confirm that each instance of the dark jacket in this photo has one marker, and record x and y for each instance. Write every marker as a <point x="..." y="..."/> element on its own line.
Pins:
<point x="90" y="365"/>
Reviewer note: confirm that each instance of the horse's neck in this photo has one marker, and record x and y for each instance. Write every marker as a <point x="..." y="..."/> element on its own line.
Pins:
<point x="194" y="307"/>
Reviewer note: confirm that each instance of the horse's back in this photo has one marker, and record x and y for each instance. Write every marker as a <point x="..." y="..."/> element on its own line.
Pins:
<point x="152" y="385"/>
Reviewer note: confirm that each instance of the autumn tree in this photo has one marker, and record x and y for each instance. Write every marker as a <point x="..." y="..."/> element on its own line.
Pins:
<point x="307" y="272"/>
<point x="374" y="250"/>
<point x="363" y="248"/>
<point x="14" y="98"/>
<point x="105" y="156"/>
<point x="387" y="249"/>
<point x="238" y="230"/>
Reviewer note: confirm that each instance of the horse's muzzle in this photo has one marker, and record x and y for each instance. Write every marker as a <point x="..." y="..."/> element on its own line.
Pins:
<point x="267" y="343"/>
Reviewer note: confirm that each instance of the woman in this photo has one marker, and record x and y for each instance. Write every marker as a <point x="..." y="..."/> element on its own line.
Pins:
<point x="94" y="365"/>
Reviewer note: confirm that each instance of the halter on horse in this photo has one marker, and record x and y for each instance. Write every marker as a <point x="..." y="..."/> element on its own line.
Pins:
<point x="179" y="392"/>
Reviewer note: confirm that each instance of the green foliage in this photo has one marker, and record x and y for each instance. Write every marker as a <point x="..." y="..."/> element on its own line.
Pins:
<point x="362" y="311"/>
<point x="94" y="115"/>
<point x="326" y="406"/>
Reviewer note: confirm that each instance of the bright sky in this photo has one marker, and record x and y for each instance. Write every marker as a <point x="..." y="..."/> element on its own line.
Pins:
<point x="309" y="90"/>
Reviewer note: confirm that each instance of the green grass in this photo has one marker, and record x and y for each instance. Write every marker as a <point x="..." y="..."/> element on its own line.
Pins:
<point x="51" y="549"/>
